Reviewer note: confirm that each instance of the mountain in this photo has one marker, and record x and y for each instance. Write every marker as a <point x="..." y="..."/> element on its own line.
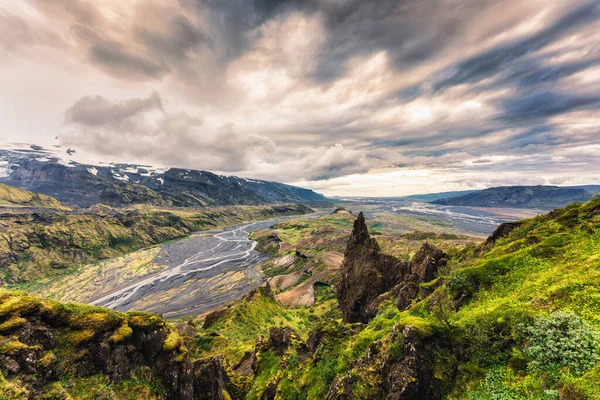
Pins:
<point x="84" y="185"/>
<point x="429" y="197"/>
<point x="540" y="197"/>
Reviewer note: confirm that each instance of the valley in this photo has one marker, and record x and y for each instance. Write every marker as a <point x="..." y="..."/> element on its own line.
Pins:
<point x="364" y="300"/>
<point x="176" y="279"/>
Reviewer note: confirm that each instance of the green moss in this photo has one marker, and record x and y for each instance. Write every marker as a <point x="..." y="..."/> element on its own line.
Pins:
<point x="173" y="341"/>
<point x="78" y="338"/>
<point x="13" y="323"/>
<point x="48" y="359"/>
<point x="11" y="346"/>
<point x="122" y="333"/>
<point x="144" y="321"/>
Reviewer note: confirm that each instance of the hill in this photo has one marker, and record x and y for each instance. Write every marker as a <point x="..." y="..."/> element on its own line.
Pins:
<point x="124" y="184"/>
<point x="13" y="197"/>
<point x="539" y="197"/>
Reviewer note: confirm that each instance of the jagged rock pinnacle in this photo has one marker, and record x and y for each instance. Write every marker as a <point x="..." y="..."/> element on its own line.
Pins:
<point x="360" y="233"/>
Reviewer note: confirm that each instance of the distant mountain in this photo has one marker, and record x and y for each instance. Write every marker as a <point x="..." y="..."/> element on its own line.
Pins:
<point x="540" y="197"/>
<point x="436" y="196"/>
<point x="122" y="184"/>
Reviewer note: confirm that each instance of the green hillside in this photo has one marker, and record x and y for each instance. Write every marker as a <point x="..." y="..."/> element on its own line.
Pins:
<point x="35" y="246"/>
<point x="14" y="197"/>
<point x="517" y="317"/>
<point x="516" y="320"/>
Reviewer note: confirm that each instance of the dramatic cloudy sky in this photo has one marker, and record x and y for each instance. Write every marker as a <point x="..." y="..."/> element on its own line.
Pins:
<point x="349" y="97"/>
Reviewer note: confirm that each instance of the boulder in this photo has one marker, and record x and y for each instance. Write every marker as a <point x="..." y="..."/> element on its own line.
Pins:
<point x="407" y="293"/>
<point x="212" y="317"/>
<point x="281" y="338"/>
<point x="246" y="366"/>
<point x="502" y="231"/>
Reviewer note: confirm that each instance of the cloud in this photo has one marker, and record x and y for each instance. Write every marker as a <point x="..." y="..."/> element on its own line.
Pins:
<point x="141" y="129"/>
<point x="315" y="91"/>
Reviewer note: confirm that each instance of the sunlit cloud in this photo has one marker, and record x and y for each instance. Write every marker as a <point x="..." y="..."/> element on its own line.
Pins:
<point x="346" y="97"/>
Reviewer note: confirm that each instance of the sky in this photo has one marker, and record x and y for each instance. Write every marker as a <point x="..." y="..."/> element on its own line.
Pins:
<point x="347" y="97"/>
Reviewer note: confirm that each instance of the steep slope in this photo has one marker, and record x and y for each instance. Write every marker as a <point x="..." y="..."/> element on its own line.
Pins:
<point x="13" y="197"/>
<point x="123" y="184"/>
<point x="541" y="197"/>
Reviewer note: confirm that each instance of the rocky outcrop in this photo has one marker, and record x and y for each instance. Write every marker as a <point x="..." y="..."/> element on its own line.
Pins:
<point x="246" y="365"/>
<point x="426" y="262"/>
<point x="101" y="342"/>
<point x="365" y="274"/>
<point x="502" y="231"/>
<point x="411" y="376"/>
<point x="340" y="389"/>
<point x="213" y="317"/>
<point x="423" y="269"/>
<point x="281" y="338"/>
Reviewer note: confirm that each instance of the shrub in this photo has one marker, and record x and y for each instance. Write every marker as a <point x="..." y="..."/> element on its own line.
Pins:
<point x="561" y="339"/>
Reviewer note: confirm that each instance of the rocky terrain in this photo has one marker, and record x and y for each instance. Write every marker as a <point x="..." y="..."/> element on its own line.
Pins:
<point x="536" y="197"/>
<point x="122" y="184"/>
<point x="411" y="315"/>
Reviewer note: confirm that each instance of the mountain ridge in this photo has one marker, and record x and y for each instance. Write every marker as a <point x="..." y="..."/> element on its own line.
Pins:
<point x="84" y="185"/>
<point x="542" y="197"/>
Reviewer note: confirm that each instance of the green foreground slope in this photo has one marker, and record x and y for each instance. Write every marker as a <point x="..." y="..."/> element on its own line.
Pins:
<point x="518" y="319"/>
<point x="514" y="318"/>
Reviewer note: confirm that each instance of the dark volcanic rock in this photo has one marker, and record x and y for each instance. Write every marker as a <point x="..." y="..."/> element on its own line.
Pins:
<point x="407" y="293"/>
<point x="340" y="389"/>
<point x="502" y="231"/>
<point x="210" y="379"/>
<point x="281" y="338"/>
<point x="411" y="376"/>
<point x="426" y="262"/>
<point x="247" y="364"/>
<point x="365" y="274"/>
<point x="213" y="317"/>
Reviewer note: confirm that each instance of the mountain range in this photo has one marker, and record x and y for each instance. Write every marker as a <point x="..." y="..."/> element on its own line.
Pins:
<point x="537" y="197"/>
<point x="84" y="185"/>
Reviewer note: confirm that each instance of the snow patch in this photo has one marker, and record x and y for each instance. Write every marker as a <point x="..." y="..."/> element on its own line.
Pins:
<point x="93" y="171"/>
<point x="161" y="180"/>
<point x="118" y="176"/>
<point x="4" y="169"/>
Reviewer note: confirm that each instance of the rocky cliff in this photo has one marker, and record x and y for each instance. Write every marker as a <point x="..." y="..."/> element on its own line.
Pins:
<point x="45" y="346"/>
<point x="368" y="277"/>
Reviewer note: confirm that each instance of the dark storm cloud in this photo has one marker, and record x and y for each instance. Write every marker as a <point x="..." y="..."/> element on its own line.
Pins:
<point x="544" y="105"/>
<point x="98" y="111"/>
<point x="490" y="62"/>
